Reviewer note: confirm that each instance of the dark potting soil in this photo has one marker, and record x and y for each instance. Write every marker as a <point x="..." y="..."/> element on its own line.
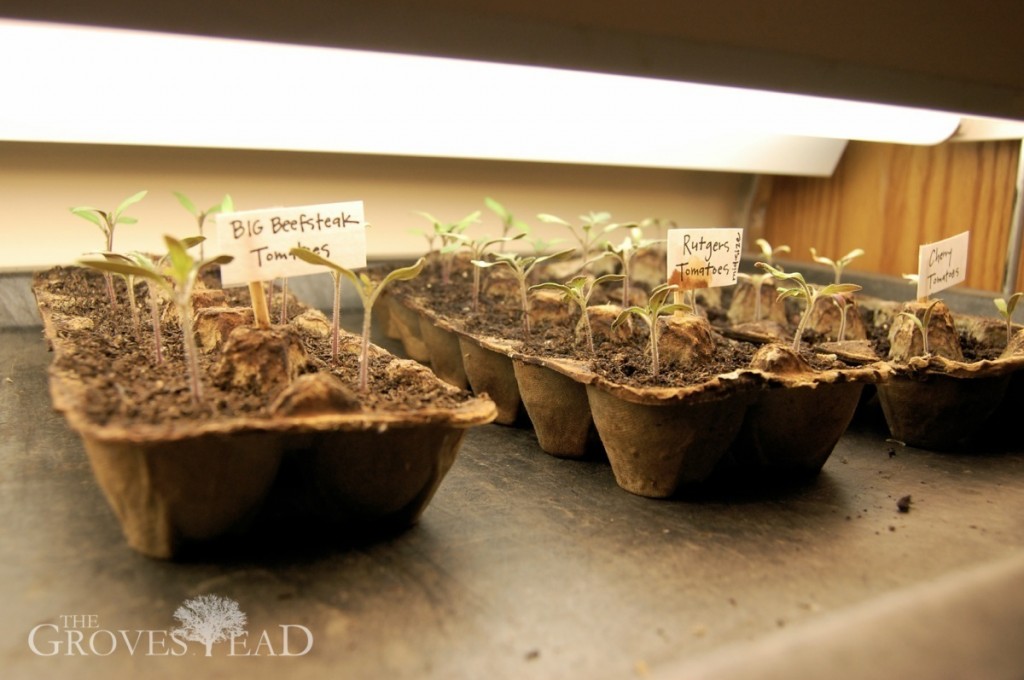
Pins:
<point x="127" y="386"/>
<point x="627" y="363"/>
<point x="977" y="351"/>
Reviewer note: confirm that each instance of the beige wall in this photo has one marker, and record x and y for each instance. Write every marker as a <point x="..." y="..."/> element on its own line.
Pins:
<point x="39" y="182"/>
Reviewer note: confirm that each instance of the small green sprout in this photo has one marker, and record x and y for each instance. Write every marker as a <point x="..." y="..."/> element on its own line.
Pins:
<point x="156" y="267"/>
<point x="757" y="282"/>
<point x="841" y="302"/>
<point x="578" y="291"/>
<point x="225" y="205"/>
<point x="768" y="253"/>
<point x="449" y="234"/>
<point x="922" y="324"/>
<point x="178" y="279"/>
<point x="805" y="291"/>
<point x="1005" y="309"/>
<point x="624" y="253"/>
<point x="368" y="294"/>
<point x="541" y="246"/>
<point x="508" y="221"/>
<point x="657" y="306"/>
<point x="107" y="221"/>
<point x="521" y="268"/>
<point x="129" y="281"/>
<point x="837" y="265"/>
<point x="589" y="233"/>
<point x="429" y="234"/>
<point x="478" y="250"/>
<point x="147" y="262"/>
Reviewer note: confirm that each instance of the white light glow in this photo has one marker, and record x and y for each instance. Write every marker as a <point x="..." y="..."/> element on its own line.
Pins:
<point x="74" y="84"/>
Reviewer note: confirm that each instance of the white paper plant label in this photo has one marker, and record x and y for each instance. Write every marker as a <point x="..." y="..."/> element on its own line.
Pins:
<point x="942" y="264"/>
<point x="704" y="258"/>
<point x="261" y="240"/>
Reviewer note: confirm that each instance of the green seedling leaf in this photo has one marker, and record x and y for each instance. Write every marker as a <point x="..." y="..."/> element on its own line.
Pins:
<point x="185" y="202"/>
<point x="190" y="242"/>
<point x="497" y="208"/>
<point x="781" y="275"/>
<point x="541" y="246"/>
<point x="1006" y="309"/>
<point x="428" y="216"/>
<point x="403" y="273"/>
<point x="624" y="253"/>
<point x="368" y="293"/>
<point x="487" y="264"/>
<point x="655" y="308"/>
<point x="179" y="259"/>
<point x="625" y="314"/>
<point x="837" y="265"/>
<point x="91" y="214"/>
<point x="852" y="255"/>
<point x="805" y="291"/>
<point x="839" y="289"/>
<point x="790" y="293"/>
<point x="478" y="250"/>
<point x="107" y="222"/>
<point x="312" y="258"/>
<point x="183" y="271"/>
<point x="922" y="323"/>
<point x="768" y="252"/>
<point x="578" y="291"/>
<point x="521" y="267"/>
<point x="448" y="233"/>
<point x="586" y="235"/>
<point x="124" y="269"/>
<point x="821" y="260"/>
<point x="596" y="218"/>
<point x="225" y="205"/>
<point x="134" y="198"/>
<point x="508" y="220"/>
<point x="552" y="219"/>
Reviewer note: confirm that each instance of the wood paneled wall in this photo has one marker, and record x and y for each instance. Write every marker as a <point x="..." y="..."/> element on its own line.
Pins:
<point x="888" y="199"/>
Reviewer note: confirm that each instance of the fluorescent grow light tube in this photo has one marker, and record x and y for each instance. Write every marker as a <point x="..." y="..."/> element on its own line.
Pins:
<point x="105" y="86"/>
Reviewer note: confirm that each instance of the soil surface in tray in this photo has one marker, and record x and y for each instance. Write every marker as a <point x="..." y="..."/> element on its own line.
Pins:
<point x="126" y="385"/>
<point x="499" y="316"/>
<point x="625" y="362"/>
<point x="972" y="348"/>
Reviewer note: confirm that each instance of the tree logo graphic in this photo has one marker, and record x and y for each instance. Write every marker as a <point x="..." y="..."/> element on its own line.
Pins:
<point x="209" y="619"/>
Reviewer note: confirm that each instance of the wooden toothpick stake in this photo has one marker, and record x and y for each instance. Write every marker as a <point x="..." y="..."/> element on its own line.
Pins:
<point x="259" y="304"/>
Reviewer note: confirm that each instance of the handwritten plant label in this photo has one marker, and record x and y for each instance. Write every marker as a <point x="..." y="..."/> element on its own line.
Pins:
<point x="942" y="264"/>
<point x="261" y="240"/>
<point x="704" y="258"/>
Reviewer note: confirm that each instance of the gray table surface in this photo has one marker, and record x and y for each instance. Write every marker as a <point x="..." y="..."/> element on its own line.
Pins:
<point x="527" y="566"/>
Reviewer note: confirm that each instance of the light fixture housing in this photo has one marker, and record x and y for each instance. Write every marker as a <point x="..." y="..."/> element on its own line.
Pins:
<point x="109" y="86"/>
